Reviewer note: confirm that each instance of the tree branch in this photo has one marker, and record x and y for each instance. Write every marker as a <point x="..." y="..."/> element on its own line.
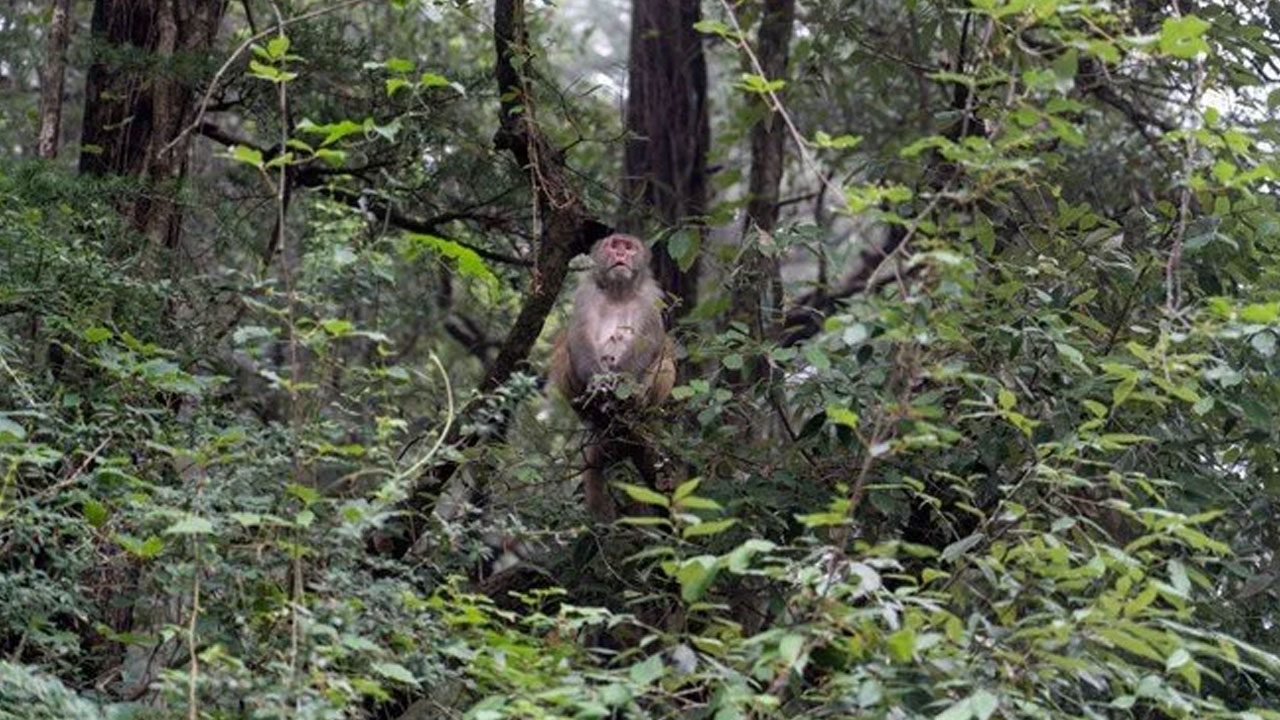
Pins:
<point x="567" y="230"/>
<point x="428" y="226"/>
<point x="318" y="177"/>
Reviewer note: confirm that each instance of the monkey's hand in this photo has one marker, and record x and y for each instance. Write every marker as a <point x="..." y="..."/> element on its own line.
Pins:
<point x="605" y="383"/>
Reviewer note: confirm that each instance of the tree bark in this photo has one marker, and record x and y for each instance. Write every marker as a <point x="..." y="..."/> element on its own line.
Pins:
<point x="568" y="229"/>
<point x="139" y="93"/>
<point x="757" y="277"/>
<point x="665" y="158"/>
<point x="53" y="77"/>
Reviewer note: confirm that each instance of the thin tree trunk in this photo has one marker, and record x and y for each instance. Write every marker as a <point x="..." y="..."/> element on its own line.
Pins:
<point x="756" y="291"/>
<point x="664" y="162"/>
<point x="567" y="231"/>
<point x="53" y="79"/>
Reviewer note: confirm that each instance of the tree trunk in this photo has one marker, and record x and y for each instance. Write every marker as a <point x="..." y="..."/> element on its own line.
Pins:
<point x="664" y="162"/>
<point x="756" y="289"/>
<point x="52" y="79"/>
<point x="139" y="94"/>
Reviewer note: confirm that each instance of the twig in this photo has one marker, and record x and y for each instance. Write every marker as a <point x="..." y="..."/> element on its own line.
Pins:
<point x="17" y="381"/>
<point x="444" y="432"/>
<point x="75" y="475"/>
<point x="775" y="103"/>
<point x="249" y="41"/>
<point x="1172" y="288"/>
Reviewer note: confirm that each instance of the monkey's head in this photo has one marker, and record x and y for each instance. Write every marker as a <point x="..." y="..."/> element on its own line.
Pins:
<point x="621" y="262"/>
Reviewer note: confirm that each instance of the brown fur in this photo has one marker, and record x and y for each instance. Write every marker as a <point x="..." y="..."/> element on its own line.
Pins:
<point x="616" y="329"/>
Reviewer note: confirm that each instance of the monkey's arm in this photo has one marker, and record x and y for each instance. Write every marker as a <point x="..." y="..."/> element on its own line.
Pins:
<point x="562" y="373"/>
<point x="662" y="373"/>
<point x="646" y="345"/>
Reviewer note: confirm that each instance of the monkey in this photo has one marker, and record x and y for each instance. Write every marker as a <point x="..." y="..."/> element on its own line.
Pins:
<point x="615" y="337"/>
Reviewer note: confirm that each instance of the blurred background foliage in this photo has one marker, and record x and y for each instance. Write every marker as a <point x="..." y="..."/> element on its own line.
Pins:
<point x="977" y="418"/>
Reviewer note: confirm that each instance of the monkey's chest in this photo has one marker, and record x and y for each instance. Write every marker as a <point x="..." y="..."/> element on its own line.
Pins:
<point x="615" y="329"/>
<point x="615" y="335"/>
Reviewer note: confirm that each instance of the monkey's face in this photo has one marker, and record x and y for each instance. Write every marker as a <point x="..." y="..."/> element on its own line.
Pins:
<point x="620" y="260"/>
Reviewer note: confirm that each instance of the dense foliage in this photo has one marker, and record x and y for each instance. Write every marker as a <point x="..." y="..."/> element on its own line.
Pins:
<point x="1004" y="443"/>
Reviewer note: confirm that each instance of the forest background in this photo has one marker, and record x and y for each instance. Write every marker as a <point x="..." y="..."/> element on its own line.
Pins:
<point x="976" y="305"/>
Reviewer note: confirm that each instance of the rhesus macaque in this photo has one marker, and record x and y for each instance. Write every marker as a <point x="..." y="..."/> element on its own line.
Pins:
<point x="615" y="336"/>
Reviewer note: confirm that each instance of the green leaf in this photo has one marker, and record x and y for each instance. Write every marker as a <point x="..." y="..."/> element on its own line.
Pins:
<point x="95" y="513"/>
<point x="10" y="431"/>
<point x="693" y="502"/>
<point x="695" y="576"/>
<point x="144" y="549"/>
<point x="337" y="327"/>
<point x="1124" y="440"/>
<point x="190" y="525"/>
<point x="1106" y="51"/>
<point x="1096" y="408"/>
<point x="714" y="527"/>
<point x="733" y="361"/>
<point x="1177" y="659"/>
<point x="246" y="155"/>
<point x="817" y="357"/>
<point x="394" y="84"/>
<point x="739" y="559"/>
<point x="1224" y="170"/>
<point x="1264" y="343"/>
<point x="1066" y="65"/>
<point x="686" y="488"/>
<point x="823" y="519"/>
<point x="1203" y="405"/>
<point x="278" y="46"/>
<point x="399" y="65"/>
<point x="1178" y="578"/>
<point x="791" y="647"/>
<point x="269" y="72"/>
<point x="95" y="335"/>
<point x="681" y="392"/>
<point x="1071" y="355"/>
<point x="1182" y="37"/>
<point x="958" y="548"/>
<point x="469" y="262"/>
<point x="307" y="494"/>
<point x="280" y="160"/>
<point x="1260" y="313"/>
<point x="1006" y="399"/>
<point x="757" y="84"/>
<point x="960" y="710"/>
<point x="430" y="80"/>
<point x="396" y="672"/>
<point x="841" y="142"/>
<point x="715" y="27"/>
<point x="1131" y="643"/>
<point x="333" y="158"/>
<point x="1123" y="390"/>
<point x="647" y="671"/>
<point x="332" y="132"/>
<point x="683" y="247"/>
<point x="902" y="645"/>
<point x="644" y="495"/>
<point x="388" y="131"/>
<point x="842" y="416"/>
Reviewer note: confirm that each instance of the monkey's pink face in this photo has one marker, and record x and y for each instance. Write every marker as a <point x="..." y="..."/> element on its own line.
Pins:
<point x="619" y="257"/>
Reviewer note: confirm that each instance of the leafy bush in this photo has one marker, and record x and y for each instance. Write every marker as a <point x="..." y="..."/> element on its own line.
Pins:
<point x="1027" y="470"/>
